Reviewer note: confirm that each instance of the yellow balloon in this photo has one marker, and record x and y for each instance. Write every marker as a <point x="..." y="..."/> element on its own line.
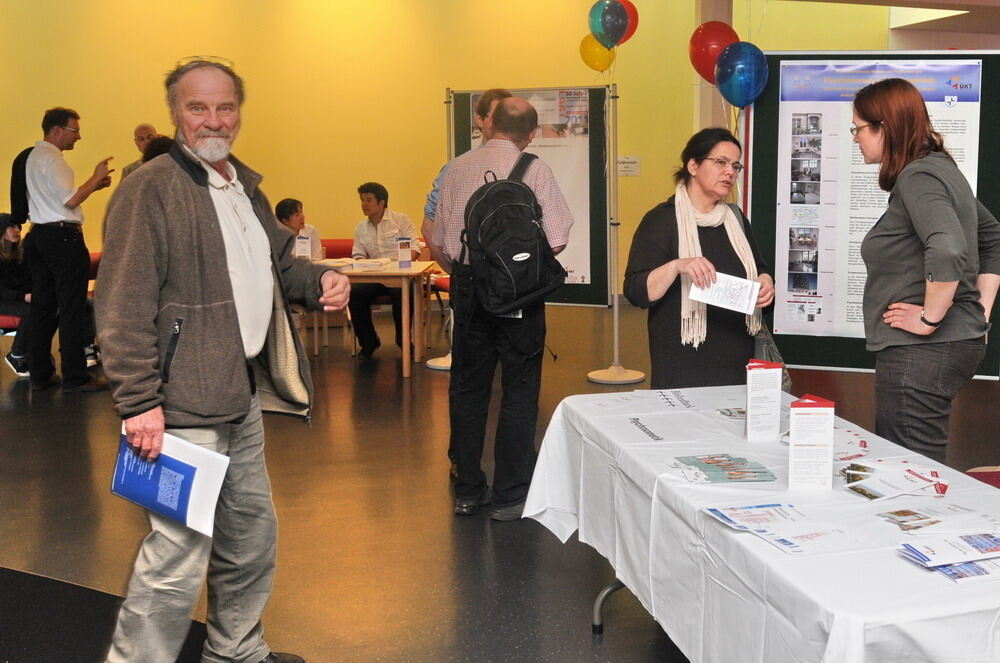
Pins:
<point x="594" y="54"/>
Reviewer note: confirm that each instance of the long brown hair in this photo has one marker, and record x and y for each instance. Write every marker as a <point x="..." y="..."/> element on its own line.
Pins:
<point x="895" y="107"/>
<point x="8" y="251"/>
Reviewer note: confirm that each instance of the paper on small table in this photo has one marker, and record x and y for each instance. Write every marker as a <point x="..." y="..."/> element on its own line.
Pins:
<point x="183" y="483"/>
<point x="729" y="292"/>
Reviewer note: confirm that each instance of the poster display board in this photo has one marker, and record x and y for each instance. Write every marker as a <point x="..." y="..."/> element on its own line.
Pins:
<point x="572" y="140"/>
<point x="812" y="199"/>
<point x="827" y="198"/>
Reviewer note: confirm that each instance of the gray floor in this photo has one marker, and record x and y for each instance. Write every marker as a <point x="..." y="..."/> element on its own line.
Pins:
<point x="373" y="566"/>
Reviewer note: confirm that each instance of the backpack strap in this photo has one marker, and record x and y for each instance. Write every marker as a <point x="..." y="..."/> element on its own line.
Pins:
<point x="521" y="166"/>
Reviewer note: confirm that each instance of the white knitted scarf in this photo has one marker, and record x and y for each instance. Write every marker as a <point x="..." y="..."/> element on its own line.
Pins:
<point x="693" y="314"/>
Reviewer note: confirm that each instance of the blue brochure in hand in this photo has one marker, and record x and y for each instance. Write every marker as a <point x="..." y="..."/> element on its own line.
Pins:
<point x="163" y="485"/>
<point x="183" y="483"/>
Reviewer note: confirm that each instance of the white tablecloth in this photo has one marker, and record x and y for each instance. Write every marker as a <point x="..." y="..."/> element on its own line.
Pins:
<point x="729" y="597"/>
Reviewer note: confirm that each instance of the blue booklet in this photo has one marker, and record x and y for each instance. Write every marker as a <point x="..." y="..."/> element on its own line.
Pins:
<point x="183" y="482"/>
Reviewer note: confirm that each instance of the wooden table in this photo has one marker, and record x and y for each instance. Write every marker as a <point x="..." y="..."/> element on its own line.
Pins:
<point x="394" y="276"/>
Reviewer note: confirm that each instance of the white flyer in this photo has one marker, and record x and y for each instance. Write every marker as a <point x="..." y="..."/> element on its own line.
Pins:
<point x="810" y="444"/>
<point x="729" y="292"/>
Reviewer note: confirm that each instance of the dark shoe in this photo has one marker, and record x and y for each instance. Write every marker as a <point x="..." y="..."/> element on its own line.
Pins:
<point x="17" y="364"/>
<point x="366" y="353"/>
<point x="42" y="386"/>
<point x="507" y="513"/>
<point x="453" y="472"/>
<point x="278" y="657"/>
<point x="93" y="384"/>
<point x="466" y="506"/>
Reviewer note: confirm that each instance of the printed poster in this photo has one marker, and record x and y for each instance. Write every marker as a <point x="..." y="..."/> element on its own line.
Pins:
<point x="828" y="198"/>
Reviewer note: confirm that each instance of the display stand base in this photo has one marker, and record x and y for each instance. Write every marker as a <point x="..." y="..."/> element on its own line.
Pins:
<point x="615" y="374"/>
<point x="440" y="363"/>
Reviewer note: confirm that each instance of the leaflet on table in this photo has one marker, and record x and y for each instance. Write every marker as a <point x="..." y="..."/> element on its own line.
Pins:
<point x="936" y="520"/>
<point x="883" y="479"/>
<point x="666" y="427"/>
<point x="786" y="527"/>
<point x="971" y="572"/>
<point x="370" y="264"/>
<point x="810" y="444"/>
<point x="763" y="414"/>
<point x="722" y="468"/>
<point x="183" y="483"/>
<point x="729" y="292"/>
<point x="939" y="551"/>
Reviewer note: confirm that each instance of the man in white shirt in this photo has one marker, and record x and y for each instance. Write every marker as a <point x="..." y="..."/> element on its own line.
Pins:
<point x="307" y="245"/>
<point x="56" y="253"/>
<point x="377" y="237"/>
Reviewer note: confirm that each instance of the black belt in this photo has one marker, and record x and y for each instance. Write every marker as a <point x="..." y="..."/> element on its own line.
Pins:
<point x="69" y="225"/>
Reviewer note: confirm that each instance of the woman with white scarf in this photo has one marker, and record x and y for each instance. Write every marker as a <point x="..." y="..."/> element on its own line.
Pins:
<point x="688" y="239"/>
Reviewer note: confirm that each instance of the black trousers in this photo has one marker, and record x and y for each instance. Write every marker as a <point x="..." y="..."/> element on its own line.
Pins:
<point x="59" y="264"/>
<point x="480" y="340"/>
<point x="360" y="305"/>
<point x="914" y="387"/>
<point x="23" y="311"/>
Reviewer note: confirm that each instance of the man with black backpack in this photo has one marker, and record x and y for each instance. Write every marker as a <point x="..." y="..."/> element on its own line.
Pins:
<point x="500" y="220"/>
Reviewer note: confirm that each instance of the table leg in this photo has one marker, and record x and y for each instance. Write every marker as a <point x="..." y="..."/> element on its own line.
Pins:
<point x="417" y="287"/>
<point x="404" y="286"/>
<point x="597" y="626"/>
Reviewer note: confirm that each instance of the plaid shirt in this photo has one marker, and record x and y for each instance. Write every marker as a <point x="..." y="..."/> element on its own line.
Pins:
<point x="466" y="174"/>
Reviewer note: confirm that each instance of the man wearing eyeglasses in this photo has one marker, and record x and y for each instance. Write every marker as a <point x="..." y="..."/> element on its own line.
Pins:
<point x="42" y="188"/>
<point x="198" y="339"/>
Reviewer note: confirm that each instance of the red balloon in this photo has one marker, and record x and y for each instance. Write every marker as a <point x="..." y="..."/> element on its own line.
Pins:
<point x="707" y="41"/>
<point x="633" y="20"/>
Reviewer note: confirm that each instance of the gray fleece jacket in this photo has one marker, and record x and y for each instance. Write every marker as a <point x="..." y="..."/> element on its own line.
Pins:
<point x="166" y="316"/>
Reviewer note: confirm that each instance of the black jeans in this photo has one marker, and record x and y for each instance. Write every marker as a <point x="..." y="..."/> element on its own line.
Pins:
<point x="479" y="341"/>
<point x="21" y="310"/>
<point x="360" y="305"/>
<point x="914" y="387"/>
<point x="59" y="264"/>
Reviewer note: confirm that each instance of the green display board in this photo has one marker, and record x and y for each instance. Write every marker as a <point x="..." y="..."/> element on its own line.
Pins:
<point x="849" y="353"/>
<point x="594" y="210"/>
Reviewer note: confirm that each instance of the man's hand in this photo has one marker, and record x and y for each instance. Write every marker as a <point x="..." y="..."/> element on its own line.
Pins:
<point x="766" y="294"/>
<point x="336" y="290"/>
<point x="145" y="433"/>
<point x="906" y="317"/>
<point x="102" y="170"/>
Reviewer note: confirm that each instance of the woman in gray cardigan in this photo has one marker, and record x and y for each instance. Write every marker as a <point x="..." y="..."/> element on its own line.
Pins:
<point x="933" y="261"/>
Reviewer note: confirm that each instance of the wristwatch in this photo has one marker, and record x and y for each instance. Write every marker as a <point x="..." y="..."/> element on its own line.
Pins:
<point x="928" y="322"/>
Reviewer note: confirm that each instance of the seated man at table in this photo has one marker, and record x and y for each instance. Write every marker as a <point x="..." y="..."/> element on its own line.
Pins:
<point x="307" y="244"/>
<point x="377" y="237"/>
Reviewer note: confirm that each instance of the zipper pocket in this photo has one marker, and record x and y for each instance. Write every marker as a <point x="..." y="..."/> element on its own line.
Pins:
<point x="175" y="336"/>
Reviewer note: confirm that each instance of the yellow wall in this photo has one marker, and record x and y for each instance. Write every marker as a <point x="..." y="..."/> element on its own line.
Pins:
<point x="341" y="92"/>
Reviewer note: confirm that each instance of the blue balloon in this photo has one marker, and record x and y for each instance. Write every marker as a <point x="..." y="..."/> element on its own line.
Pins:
<point x="741" y="73"/>
<point x="608" y="22"/>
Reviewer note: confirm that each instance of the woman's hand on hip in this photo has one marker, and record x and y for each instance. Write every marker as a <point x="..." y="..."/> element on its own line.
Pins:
<point x="906" y="317"/>
<point x="766" y="294"/>
<point x="701" y="270"/>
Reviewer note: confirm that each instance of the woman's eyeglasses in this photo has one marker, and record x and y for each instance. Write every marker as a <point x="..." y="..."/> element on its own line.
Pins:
<point x="725" y="163"/>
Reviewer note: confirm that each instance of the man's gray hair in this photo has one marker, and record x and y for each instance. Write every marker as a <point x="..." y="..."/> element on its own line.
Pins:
<point x="178" y="72"/>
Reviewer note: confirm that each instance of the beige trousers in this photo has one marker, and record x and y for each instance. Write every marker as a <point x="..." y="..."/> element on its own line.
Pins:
<point x="166" y="581"/>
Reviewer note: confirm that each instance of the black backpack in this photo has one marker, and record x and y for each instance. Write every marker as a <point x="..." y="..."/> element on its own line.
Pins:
<point x="512" y="263"/>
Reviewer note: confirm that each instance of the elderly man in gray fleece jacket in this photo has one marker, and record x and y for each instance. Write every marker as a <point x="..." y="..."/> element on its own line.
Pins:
<point x="192" y="305"/>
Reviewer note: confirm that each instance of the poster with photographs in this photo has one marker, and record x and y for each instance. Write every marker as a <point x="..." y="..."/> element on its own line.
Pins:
<point x="828" y="198"/>
<point x="563" y="143"/>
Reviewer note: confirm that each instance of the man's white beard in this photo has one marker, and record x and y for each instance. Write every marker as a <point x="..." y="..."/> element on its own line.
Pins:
<point x="211" y="148"/>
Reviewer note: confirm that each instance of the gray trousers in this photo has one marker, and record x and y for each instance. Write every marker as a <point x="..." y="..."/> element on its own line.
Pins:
<point x="914" y="387"/>
<point x="166" y="581"/>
